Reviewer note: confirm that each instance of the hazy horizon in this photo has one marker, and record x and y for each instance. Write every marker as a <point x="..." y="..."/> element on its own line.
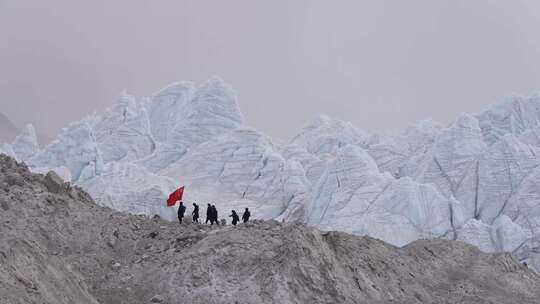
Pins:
<point x="381" y="65"/>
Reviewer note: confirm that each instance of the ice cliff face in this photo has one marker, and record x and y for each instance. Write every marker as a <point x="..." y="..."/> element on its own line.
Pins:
<point x="76" y="149"/>
<point x="183" y="117"/>
<point x="515" y="115"/>
<point x="353" y="196"/>
<point x="123" y="133"/>
<point x="475" y="180"/>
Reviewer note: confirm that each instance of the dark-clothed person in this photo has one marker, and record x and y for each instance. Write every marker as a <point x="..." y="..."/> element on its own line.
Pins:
<point x="195" y="213"/>
<point x="246" y="215"/>
<point x="181" y="211"/>
<point x="209" y="212"/>
<point x="215" y="214"/>
<point x="235" y="218"/>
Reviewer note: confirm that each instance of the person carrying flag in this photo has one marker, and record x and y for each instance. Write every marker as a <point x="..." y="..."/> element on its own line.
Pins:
<point x="173" y="198"/>
<point x="181" y="211"/>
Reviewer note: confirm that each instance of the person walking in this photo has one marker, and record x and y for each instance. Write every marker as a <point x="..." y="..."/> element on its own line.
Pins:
<point x="195" y="213"/>
<point x="235" y="218"/>
<point x="181" y="211"/>
<point x="214" y="215"/>
<point x="246" y="215"/>
<point x="209" y="212"/>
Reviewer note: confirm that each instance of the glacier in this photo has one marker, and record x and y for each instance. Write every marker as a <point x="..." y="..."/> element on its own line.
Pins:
<point x="475" y="180"/>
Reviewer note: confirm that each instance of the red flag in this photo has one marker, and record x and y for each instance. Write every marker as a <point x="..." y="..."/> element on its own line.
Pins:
<point x="175" y="196"/>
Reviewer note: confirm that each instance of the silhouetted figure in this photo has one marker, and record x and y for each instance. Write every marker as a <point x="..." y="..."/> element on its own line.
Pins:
<point x="215" y="214"/>
<point x="181" y="211"/>
<point x="246" y="215"/>
<point x="195" y="213"/>
<point x="235" y="218"/>
<point x="208" y="214"/>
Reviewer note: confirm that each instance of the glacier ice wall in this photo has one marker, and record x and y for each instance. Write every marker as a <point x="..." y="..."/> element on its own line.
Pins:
<point x="475" y="180"/>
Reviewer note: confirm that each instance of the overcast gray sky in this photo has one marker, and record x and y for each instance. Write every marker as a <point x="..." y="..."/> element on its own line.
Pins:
<point x="379" y="64"/>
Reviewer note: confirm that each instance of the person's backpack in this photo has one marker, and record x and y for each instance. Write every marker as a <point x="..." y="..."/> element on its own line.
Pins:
<point x="182" y="209"/>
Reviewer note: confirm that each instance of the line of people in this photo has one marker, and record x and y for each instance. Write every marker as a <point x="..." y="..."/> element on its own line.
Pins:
<point x="211" y="214"/>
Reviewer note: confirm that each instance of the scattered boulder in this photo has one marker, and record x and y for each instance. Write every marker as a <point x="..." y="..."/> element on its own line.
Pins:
<point x="53" y="182"/>
<point x="157" y="299"/>
<point x="27" y="283"/>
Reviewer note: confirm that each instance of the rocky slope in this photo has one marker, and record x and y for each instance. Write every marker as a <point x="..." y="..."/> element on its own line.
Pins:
<point x="58" y="246"/>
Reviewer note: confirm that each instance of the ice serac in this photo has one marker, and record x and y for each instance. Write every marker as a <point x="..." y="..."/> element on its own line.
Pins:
<point x="455" y="152"/>
<point x="514" y="115"/>
<point x="212" y="111"/>
<point x="317" y="144"/>
<point x="25" y="144"/>
<point x="507" y="235"/>
<point x="503" y="236"/>
<point x="312" y="165"/>
<point x="354" y="196"/>
<point x="524" y="209"/>
<point x="501" y="172"/>
<point x="477" y="233"/>
<point x="123" y="132"/>
<point x="531" y="137"/>
<point x="167" y="108"/>
<point x="399" y="154"/>
<point x="75" y="149"/>
<point x="325" y="136"/>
